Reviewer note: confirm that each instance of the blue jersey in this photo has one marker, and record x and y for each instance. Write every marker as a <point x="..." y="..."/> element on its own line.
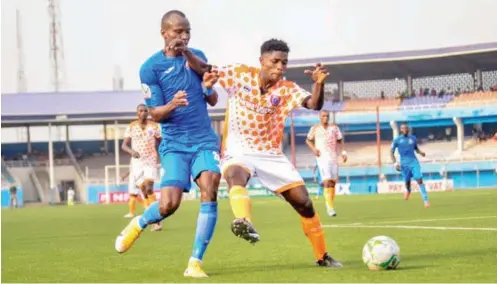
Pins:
<point x="161" y="78"/>
<point x="406" y="145"/>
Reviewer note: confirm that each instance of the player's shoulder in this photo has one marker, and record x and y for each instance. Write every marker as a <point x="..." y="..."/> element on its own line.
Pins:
<point x="244" y="69"/>
<point x="152" y="61"/>
<point x="133" y="123"/>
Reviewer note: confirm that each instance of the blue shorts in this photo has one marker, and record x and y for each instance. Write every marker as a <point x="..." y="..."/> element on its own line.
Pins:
<point x="411" y="171"/>
<point x="179" y="167"/>
<point x="318" y="178"/>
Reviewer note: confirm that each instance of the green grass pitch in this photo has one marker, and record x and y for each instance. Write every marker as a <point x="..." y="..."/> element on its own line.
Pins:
<point x="453" y="241"/>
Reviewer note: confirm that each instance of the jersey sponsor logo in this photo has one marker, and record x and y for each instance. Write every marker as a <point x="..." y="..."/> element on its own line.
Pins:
<point x="146" y="91"/>
<point x="257" y="108"/>
<point x="169" y="70"/>
<point x="410" y="141"/>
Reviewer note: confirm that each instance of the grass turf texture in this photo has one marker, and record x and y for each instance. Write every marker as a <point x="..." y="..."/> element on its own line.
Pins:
<point x="61" y="244"/>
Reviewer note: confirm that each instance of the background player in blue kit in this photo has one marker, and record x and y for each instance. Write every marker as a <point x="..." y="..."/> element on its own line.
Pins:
<point x="319" y="181"/>
<point x="407" y="145"/>
<point x="172" y="84"/>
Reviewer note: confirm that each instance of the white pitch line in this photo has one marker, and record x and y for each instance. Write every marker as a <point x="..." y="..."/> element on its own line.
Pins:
<point x="434" y="220"/>
<point x="411" y="227"/>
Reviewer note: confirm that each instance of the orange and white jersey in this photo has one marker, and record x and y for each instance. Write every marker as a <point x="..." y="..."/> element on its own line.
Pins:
<point x="143" y="140"/>
<point x="325" y="140"/>
<point x="254" y="122"/>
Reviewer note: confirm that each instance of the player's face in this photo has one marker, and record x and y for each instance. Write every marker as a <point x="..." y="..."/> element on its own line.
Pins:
<point x="404" y="130"/>
<point x="142" y="113"/>
<point x="178" y="28"/>
<point x="274" y="64"/>
<point x="324" y="117"/>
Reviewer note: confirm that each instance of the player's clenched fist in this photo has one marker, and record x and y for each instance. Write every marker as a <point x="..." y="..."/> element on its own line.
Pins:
<point x="210" y="78"/>
<point x="177" y="45"/>
<point x="319" y="74"/>
<point x="179" y="99"/>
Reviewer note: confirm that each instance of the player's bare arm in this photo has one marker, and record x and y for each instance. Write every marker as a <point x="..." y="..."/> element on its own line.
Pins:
<point x="209" y="79"/>
<point x="161" y="113"/>
<point x="392" y="156"/>
<point x="319" y="75"/>
<point x="341" y="148"/>
<point x="310" y="144"/>
<point x="423" y="154"/>
<point x="126" y="148"/>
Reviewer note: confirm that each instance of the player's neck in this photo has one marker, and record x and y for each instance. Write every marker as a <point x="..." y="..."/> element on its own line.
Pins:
<point x="170" y="53"/>
<point x="324" y="124"/>
<point x="265" y="84"/>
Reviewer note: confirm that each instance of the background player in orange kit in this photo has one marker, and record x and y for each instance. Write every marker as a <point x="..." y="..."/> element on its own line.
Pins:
<point x="323" y="139"/>
<point x="144" y="135"/>
<point x="259" y="101"/>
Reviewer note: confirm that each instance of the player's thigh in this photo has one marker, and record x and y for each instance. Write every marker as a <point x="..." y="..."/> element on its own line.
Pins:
<point x="132" y="187"/>
<point x="176" y="170"/>
<point x="206" y="161"/>
<point x="237" y="169"/>
<point x="416" y="171"/>
<point x="406" y="172"/>
<point x="276" y="172"/>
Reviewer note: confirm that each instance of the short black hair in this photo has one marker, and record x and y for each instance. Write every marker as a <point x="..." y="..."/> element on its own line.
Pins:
<point x="168" y="15"/>
<point x="274" y="45"/>
<point x="140" y="105"/>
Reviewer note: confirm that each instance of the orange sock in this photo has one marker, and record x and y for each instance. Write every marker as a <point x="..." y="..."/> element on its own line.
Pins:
<point x="141" y="201"/>
<point x="132" y="204"/>
<point x="314" y="232"/>
<point x="240" y="202"/>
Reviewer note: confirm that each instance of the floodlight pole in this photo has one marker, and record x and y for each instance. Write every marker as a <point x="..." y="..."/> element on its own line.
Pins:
<point x="116" y="151"/>
<point x="50" y="162"/>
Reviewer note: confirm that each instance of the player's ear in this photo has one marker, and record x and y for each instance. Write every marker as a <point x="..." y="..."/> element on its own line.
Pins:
<point x="261" y="60"/>
<point x="163" y="32"/>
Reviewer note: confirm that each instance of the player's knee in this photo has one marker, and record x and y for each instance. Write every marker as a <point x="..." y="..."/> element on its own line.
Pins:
<point x="168" y="206"/>
<point x="305" y="208"/>
<point x="420" y="181"/>
<point x="236" y="175"/>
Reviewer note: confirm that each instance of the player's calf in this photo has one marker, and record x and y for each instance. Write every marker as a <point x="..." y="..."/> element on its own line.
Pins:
<point x="298" y="197"/>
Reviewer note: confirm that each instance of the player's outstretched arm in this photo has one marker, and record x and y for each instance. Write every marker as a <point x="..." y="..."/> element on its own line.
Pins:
<point x="319" y="75"/>
<point x="196" y="62"/>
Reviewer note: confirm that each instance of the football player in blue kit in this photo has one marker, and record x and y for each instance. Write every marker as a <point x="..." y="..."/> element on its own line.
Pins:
<point x="407" y="146"/>
<point x="172" y="82"/>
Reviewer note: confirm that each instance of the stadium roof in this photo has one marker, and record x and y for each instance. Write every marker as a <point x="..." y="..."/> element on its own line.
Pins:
<point x="418" y="63"/>
<point x="97" y="107"/>
<point x="75" y="107"/>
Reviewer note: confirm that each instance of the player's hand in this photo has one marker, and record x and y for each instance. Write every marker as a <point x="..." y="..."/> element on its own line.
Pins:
<point x="179" y="99"/>
<point x="319" y="74"/>
<point x="397" y="166"/>
<point x="317" y="153"/>
<point x="423" y="154"/>
<point x="210" y="78"/>
<point x="135" y="154"/>
<point x="177" y="45"/>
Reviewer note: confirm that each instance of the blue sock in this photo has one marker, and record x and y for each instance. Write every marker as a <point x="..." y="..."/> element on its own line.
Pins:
<point x="151" y="215"/>
<point x="422" y="190"/>
<point x="320" y="191"/>
<point x="206" y="223"/>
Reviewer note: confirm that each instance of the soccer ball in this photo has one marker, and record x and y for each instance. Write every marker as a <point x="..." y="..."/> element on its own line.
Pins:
<point x="381" y="253"/>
